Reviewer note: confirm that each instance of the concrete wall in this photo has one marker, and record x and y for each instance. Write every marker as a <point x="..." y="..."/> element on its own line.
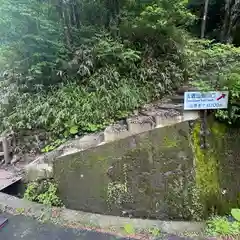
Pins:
<point x="144" y="175"/>
<point x="162" y="173"/>
<point x="151" y="116"/>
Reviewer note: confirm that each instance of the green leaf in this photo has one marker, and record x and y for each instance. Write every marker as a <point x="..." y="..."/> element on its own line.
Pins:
<point x="129" y="229"/>
<point x="236" y="213"/>
<point x="66" y="133"/>
<point x="155" y="232"/>
<point x="74" y="130"/>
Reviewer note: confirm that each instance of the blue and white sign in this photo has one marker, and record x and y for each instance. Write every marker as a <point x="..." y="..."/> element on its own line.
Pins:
<point x="205" y="100"/>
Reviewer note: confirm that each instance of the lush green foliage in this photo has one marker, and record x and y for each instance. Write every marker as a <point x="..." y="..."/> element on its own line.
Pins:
<point x="44" y="192"/>
<point x="223" y="226"/>
<point x="53" y="145"/>
<point x="71" y="67"/>
<point x="220" y="68"/>
<point x="223" y="19"/>
<point x="62" y="75"/>
<point x="129" y="229"/>
<point x="217" y="67"/>
<point x="236" y="214"/>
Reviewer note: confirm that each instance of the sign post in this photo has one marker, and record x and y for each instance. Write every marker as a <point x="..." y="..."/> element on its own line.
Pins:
<point x="204" y="101"/>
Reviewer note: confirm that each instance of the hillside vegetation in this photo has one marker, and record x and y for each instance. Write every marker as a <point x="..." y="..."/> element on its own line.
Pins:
<point x="75" y="66"/>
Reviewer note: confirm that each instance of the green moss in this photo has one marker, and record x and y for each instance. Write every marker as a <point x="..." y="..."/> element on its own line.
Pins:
<point x="100" y="158"/>
<point x="218" y="129"/>
<point x="20" y="210"/>
<point x="206" y="168"/>
<point x="170" y="143"/>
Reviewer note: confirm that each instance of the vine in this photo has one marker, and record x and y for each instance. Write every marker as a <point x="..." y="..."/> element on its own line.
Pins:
<point x="119" y="193"/>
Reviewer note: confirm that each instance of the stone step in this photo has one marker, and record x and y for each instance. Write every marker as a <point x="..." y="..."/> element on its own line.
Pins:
<point x="8" y="178"/>
<point x="38" y="171"/>
<point x="171" y="105"/>
<point x="184" y="89"/>
<point x="151" y="117"/>
<point x="147" y="121"/>
<point x="177" y="99"/>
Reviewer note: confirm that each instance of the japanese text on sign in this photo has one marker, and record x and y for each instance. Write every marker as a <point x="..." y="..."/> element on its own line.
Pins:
<point x="205" y="100"/>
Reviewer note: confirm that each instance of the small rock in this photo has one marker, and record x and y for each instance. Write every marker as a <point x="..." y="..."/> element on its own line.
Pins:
<point x="231" y="219"/>
<point x="135" y="112"/>
<point x="110" y="171"/>
<point x="34" y="172"/>
<point x="15" y="159"/>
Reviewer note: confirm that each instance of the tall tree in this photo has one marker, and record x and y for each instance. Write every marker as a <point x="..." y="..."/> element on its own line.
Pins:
<point x="204" y="19"/>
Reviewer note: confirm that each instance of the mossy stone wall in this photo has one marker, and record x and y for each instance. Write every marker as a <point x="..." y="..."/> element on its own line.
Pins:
<point x="133" y="176"/>
<point x="161" y="174"/>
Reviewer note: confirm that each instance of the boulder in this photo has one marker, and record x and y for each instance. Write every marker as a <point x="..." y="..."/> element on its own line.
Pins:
<point x="36" y="172"/>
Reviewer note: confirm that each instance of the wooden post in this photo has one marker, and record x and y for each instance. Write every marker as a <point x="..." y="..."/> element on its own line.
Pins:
<point x="6" y="150"/>
<point x="204" y="132"/>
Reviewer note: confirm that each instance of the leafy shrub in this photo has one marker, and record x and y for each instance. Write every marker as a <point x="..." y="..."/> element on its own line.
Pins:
<point x="44" y="192"/>
<point x="71" y="107"/>
<point x="79" y="76"/>
<point x="231" y="82"/>
<point x="221" y="226"/>
<point x="236" y="214"/>
<point x="216" y="67"/>
<point x="129" y="229"/>
<point x="53" y="145"/>
<point x="225" y="226"/>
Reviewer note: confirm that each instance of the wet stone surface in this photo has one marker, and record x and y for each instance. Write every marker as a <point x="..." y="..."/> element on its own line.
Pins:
<point x="25" y="228"/>
<point x="20" y="227"/>
<point x="7" y="178"/>
<point x="139" y="176"/>
<point x="160" y="174"/>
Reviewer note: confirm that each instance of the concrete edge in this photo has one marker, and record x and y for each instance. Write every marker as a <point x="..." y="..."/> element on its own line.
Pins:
<point x="188" y="116"/>
<point x="42" y="167"/>
<point x="79" y="219"/>
<point x="51" y="156"/>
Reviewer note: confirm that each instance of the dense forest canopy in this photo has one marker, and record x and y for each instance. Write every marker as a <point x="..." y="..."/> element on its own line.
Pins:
<point x="78" y="65"/>
<point x="223" y="19"/>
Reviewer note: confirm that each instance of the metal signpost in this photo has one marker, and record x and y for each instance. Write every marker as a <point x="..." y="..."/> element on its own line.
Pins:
<point x="204" y="101"/>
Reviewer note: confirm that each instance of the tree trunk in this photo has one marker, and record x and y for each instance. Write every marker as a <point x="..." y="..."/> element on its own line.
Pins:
<point x="73" y="15"/>
<point x="231" y="10"/>
<point x="225" y="23"/>
<point x="204" y="19"/>
<point x="65" y="23"/>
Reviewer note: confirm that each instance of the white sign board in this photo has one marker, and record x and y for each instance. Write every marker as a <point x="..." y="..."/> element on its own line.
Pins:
<point x="205" y="100"/>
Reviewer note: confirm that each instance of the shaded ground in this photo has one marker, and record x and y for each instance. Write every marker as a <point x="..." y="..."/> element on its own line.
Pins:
<point x="21" y="227"/>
